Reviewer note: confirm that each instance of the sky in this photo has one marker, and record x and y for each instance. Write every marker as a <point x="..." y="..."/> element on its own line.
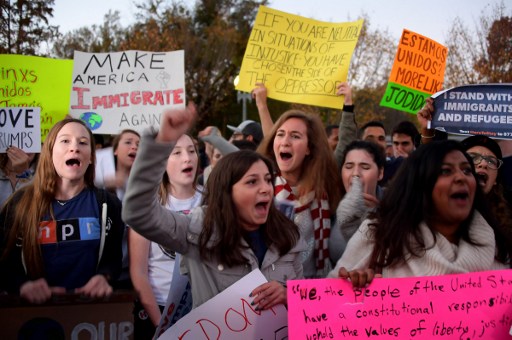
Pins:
<point x="431" y="18"/>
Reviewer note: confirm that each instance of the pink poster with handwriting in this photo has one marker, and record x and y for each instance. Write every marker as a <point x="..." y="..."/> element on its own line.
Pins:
<point x="461" y="306"/>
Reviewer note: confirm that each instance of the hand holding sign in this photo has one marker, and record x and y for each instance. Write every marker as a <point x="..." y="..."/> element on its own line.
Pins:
<point x="20" y="161"/>
<point x="269" y="295"/>
<point x="230" y="315"/>
<point x="360" y="278"/>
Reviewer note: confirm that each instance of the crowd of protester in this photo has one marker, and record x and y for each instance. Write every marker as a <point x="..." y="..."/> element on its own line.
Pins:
<point x="295" y="199"/>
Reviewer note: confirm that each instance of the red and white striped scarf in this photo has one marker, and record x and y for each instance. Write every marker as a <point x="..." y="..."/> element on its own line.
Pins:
<point x="320" y="214"/>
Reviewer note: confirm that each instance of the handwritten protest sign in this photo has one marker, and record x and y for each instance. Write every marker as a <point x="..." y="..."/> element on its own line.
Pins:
<point x="298" y="59"/>
<point x="36" y="82"/>
<point x="20" y="127"/>
<point x="229" y="315"/>
<point x="126" y="90"/>
<point x="462" y="306"/>
<point x="418" y="72"/>
<point x="475" y="110"/>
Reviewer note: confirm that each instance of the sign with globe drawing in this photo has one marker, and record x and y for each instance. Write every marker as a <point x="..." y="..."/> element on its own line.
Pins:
<point x="126" y="90"/>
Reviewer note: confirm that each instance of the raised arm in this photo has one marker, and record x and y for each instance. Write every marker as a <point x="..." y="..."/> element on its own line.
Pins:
<point x="141" y="209"/>
<point x="220" y="143"/>
<point x="424" y="116"/>
<point x="347" y="131"/>
<point x="260" y="95"/>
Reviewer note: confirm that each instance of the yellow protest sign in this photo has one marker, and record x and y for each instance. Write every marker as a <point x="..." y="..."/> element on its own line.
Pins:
<point x="298" y="59"/>
<point x="27" y="81"/>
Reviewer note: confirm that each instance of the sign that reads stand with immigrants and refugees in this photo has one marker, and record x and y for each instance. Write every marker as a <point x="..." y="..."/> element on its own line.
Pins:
<point x="475" y="110"/>
<point x="126" y="90"/>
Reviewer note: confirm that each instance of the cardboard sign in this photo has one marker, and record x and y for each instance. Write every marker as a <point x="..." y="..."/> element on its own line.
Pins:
<point x="418" y="72"/>
<point x="299" y="60"/>
<point x="475" y="110"/>
<point x="230" y="315"/>
<point x="20" y="127"/>
<point x="126" y="90"/>
<point x="463" y="306"/>
<point x="36" y="82"/>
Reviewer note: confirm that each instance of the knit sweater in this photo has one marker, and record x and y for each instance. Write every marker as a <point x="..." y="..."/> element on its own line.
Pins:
<point x="440" y="257"/>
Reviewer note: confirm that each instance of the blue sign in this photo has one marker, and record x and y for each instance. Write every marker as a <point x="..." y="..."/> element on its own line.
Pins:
<point x="484" y="109"/>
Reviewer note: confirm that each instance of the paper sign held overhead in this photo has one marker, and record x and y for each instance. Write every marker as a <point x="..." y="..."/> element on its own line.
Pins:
<point x="20" y="127"/>
<point x="27" y="81"/>
<point x="298" y="59"/>
<point x="418" y="72"/>
<point x="126" y="90"/>
<point x="484" y="109"/>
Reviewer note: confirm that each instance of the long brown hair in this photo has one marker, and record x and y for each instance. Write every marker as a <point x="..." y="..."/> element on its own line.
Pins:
<point x="319" y="171"/>
<point x="222" y="220"/>
<point x="408" y="201"/>
<point x="36" y="199"/>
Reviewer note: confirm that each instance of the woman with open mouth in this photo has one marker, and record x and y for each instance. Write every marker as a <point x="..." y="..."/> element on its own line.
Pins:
<point x="432" y="220"/>
<point x="61" y="234"/>
<point x="487" y="157"/>
<point x="112" y="171"/>
<point x="488" y="161"/>
<point x="151" y="266"/>
<point x="307" y="180"/>
<point x="236" y="231"/>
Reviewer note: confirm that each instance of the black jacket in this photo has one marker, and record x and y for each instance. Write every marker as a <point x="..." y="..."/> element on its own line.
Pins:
<point x="12" y="269"/>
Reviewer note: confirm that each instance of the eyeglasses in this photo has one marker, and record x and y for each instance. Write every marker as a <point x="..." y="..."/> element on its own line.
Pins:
<point x="492" y="161"/>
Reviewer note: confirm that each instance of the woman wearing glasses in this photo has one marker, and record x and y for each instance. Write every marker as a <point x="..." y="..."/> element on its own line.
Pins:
<point x="487" y="157"/>
<point x="441" y="226"/>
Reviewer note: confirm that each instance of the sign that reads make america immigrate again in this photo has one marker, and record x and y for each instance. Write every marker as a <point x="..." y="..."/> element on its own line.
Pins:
<point x="418" y="72"/>
<point x="298" y="59"/>
<point x="126" y="90"/>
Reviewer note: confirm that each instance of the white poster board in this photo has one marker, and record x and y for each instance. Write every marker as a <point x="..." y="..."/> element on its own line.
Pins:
<point x="229" y="315"/>
<point x="20" y="127"/>
<point x="126" y="90"/>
